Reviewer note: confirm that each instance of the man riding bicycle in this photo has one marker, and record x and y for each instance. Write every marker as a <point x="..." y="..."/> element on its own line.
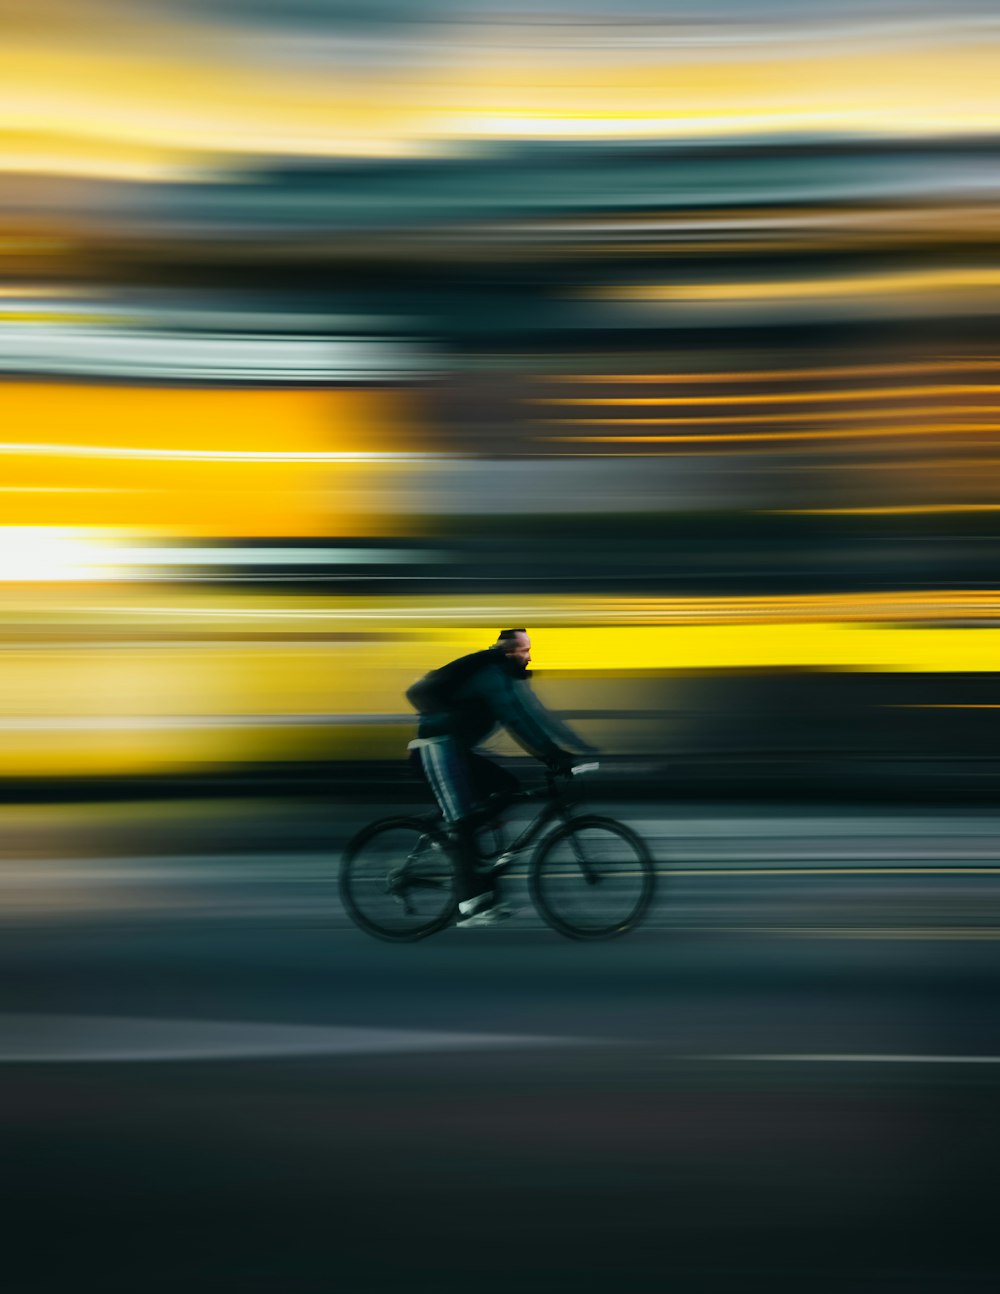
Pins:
<point x="460" y="705"/>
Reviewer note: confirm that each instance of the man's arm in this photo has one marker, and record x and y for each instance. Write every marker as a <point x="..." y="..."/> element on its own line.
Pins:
<point x="523" y="715"/>
<point x="557" y="729"/>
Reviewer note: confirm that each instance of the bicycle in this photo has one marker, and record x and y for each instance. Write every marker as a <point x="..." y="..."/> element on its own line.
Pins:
<point x="590" y="877"/>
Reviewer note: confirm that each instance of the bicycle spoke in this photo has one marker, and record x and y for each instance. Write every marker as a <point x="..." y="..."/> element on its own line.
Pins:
<point x="592" y="880"/>
<point x="397" y="881"/>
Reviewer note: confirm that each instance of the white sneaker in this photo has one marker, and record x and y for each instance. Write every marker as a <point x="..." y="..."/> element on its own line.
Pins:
<point x="483" y="910"/>
<point x="493" y="916"/>
<point x="477" y="903"/>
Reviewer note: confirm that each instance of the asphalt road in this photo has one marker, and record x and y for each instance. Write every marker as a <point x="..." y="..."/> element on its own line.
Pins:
<point x="787" y="1080"/>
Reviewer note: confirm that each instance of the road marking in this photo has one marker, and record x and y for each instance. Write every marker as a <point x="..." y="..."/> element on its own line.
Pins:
<point x="841" y="932"/>
<point x="69" y="1039"/>
<point x="859" y="1058"/>
<point x="900" y="870"/>
<point x="319" y="868"/>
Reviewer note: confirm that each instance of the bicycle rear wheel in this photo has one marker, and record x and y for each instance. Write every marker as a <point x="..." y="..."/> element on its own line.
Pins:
<point x="397" y="880"/>
<point x="592" y="879"/>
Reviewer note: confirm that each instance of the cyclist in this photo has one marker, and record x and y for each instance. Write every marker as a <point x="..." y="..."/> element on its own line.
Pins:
<point x="460" y="705"/>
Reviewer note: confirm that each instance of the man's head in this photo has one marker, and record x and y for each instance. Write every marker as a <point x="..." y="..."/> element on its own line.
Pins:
<point x="516" y="647"/>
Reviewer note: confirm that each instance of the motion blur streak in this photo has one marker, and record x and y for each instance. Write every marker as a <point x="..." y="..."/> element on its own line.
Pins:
<point x="94" y="84"/>
<point x="803" y="397"/>
<point x="850" y="285"/>
<point x="337" y="335"/>
<point x="861" y="370"/>
<point x="867" y="433"/>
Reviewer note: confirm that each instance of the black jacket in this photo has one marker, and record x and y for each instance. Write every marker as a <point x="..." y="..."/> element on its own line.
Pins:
<point x="470" y="697"/>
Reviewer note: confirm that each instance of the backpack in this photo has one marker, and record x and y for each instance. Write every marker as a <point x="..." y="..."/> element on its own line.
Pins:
<point x="436" y="690"/>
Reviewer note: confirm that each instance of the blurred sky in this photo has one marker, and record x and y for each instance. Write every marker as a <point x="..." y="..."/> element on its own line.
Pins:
<point x="155" y="91"/>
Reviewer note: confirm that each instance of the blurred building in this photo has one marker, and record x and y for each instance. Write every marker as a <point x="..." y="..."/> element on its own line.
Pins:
<point x="331" y="342"/>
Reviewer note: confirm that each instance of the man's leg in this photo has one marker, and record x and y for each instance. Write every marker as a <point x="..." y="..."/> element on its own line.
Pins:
<point x="494" y="787"/>
<point x="445" y="768"/>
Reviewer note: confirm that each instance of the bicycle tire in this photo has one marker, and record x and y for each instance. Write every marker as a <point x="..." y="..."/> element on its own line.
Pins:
<point x="617" y="897"/>
<point x="385" y="900"/>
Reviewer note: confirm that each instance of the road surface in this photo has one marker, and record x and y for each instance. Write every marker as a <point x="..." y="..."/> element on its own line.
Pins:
<point x="786" y="1081"/>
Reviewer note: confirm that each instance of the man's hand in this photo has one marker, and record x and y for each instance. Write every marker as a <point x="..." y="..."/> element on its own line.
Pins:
<point x="561" y="763"/>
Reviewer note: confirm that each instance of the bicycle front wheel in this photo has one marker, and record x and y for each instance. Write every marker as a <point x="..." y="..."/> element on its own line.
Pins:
<point x="397" y="880"/>
<point x="592" y="879"/>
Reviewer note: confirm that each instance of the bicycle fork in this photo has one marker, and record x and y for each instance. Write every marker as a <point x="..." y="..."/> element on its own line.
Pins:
<point x="590" y="873"/>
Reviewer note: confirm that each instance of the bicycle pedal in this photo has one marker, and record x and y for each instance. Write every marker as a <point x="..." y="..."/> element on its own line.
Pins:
<point x="491" y="865"/>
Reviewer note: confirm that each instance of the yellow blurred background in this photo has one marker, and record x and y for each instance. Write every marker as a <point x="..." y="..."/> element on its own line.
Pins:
<point x="335" y="341"/>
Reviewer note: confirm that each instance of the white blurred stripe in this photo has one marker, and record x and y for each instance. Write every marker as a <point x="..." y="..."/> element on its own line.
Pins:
<point x="734" y="39"/>
<point x="39" y="348"/>
<point x="128" y="555"/>
<point x="33" y="1039"/>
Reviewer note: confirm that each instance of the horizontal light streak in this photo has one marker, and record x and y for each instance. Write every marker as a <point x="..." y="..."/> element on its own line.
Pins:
<point x="132" y="706"/>
<point x="842" y="611"/>
<point x="826" y="415"/>
<point x="47" y="1039"/>
<point x="158" y="99"/>
<point x="38" y="318"/>
<point x="758" y="437"/>
<point x="169" y="722"/>
<point x="781" y="374"/>
<point x="33" y="291"/>
<point x="164" y="454"/>
<point x="608" y="123"/>
<point x="921" y="934"/>
<point x="195" y="461"/>
<point x="51" y="554"/>
<point x="550" y="610"/>
<point x="57" y="346"/>
<point x="69" y="618"/>
<point x="102" y="680"/>
<point x="731" y="227"/>
<point x="139" y="555"/>
<point x="960" y="462"/>
<point x="888" y="510"/>
<point x="778" y="397"/>
<point x="739" y="40"/>
<point x="880" y="1058"/>
<point x="775" y="289"/>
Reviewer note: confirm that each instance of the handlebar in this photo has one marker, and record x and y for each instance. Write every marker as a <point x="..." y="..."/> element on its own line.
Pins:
<point x="574" y="770"/>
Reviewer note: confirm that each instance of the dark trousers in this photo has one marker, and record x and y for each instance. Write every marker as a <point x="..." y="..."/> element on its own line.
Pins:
<point x="469" y="789"/>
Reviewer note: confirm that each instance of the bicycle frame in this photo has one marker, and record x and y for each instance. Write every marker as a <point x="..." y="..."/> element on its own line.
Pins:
<point x="555" y="804"/>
